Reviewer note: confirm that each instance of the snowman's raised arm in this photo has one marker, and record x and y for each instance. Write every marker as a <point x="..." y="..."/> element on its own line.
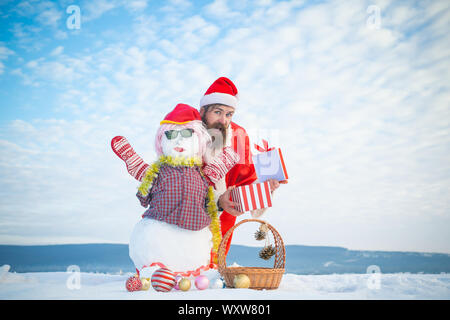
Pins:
<point x="218" y="167"/>
<point x="136" y="166"/>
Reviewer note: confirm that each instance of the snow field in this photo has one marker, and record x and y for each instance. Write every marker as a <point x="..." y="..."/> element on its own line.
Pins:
<point x="98" y="286"/>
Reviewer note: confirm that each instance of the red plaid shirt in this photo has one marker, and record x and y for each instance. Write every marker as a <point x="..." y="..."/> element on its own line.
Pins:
<point x="178" y="196"/>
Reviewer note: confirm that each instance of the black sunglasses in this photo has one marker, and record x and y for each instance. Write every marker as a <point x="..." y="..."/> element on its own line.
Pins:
<point x="185" y="133"/>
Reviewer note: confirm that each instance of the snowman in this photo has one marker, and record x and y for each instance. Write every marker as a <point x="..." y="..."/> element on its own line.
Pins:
<point x="180" y="228"/>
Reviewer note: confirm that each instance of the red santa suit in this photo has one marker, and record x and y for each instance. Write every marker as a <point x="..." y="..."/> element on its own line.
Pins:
<point x="242" y="173"/>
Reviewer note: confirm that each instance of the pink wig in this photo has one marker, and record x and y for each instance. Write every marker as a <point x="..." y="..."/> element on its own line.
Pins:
<point x="203" y="136"/>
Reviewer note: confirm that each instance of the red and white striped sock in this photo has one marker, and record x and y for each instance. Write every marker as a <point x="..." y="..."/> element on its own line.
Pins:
<point x="219" y="166"/>
<point x="135" y="165"/>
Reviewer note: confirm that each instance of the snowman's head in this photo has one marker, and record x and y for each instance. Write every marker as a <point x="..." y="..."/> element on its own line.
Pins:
<point x="182" y="140"/>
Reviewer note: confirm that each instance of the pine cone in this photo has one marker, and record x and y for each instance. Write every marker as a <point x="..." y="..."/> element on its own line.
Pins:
<point x="260" y="235"/>
<point x="267" y="252"/>
<point x="264" y="228"/>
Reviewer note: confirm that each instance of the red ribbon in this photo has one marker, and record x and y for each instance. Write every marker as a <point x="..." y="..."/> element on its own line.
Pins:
<point x="195" y="273"/>
<point x="189" y="273"/>
<point x="264" y="148"/>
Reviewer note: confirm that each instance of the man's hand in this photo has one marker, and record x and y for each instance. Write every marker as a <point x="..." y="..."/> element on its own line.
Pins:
<point x="227" y="204"/>
<point x="274" y="184"/>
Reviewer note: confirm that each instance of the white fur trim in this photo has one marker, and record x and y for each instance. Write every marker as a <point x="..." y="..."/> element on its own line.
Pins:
<point x="228" y="137"/>
<point x="221" y="98"/>
<point x="220" y="185"/>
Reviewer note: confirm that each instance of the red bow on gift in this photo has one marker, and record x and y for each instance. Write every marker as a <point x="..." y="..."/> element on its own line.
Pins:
<point x="264" y="148"/>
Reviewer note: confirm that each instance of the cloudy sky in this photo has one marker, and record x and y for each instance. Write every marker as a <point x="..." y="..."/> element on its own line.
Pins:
<point x="355" y="93"/>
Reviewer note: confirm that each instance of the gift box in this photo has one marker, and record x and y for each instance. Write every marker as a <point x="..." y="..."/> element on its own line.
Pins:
<point x="252" y="196"/>
<point x="269" y="164"/>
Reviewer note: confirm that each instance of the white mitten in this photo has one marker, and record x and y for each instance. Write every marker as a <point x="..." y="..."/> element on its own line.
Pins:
<point x="219" y="166"/>
<point x="135" y="165"/>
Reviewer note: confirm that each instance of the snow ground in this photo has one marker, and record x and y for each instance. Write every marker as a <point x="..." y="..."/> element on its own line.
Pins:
<point x="90" y="286"/>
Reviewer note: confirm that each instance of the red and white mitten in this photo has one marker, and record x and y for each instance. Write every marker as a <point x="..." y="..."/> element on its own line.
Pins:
<point x="219" y="166"/>
<point x="135" y="165"/>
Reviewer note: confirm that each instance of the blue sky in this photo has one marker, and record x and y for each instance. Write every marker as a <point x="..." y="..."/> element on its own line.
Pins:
<point x="355" y="93"/>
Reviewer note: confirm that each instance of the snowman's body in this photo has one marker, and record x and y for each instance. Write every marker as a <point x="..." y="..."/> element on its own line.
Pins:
<point x="174" y="230"/>
<point x="154" y="241"/>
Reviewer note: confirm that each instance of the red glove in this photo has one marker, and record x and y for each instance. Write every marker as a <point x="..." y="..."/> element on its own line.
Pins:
<point x="135" y="165"/>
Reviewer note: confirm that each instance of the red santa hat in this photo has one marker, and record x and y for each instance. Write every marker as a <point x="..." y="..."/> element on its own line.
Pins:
<point x="182" y="114"/>
<point x="222" y="91"/>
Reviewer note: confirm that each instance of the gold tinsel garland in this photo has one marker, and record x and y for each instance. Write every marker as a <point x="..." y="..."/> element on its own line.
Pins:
<point x="153" y="170"/>
<point x="152" y="173"/>
<point x="215" y="224"/>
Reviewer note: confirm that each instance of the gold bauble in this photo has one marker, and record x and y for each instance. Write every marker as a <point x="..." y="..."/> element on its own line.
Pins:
<point x="241" y="281"/>
<point x="184" y="284"/>
<point x="145" y="283"/>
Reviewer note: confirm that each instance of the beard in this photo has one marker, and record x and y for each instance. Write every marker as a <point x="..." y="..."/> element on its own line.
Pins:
<point x="218" y="133"/>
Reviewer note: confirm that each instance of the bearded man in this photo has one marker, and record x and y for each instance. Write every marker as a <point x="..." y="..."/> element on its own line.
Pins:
<point x="217" y="107"/>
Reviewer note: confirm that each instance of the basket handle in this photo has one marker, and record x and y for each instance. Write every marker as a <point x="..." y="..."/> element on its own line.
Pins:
<point x="280" y="255"/>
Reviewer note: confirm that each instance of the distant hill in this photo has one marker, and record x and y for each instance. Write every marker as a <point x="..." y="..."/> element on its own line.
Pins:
<point x="105" y="258"/>
<point x="329" y="260"/>
<point x="113" y="258"/>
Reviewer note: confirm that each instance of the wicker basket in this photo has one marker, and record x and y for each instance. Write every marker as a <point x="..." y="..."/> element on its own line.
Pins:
<point x="260" y="278"/>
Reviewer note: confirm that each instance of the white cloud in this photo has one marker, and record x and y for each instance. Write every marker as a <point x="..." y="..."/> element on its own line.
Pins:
<point x="25" y="8"/>
<point x="4" y="54"/>
<point x="60" y="35"/>
<point x="219" y="9"/>
<point x="94" y="9"/>
<point x="50" y="17"/>
<point x="189" y="36"/>
<point x="263" y="3"/>
<point x="45" y="12"/>
<point x="57" y="51"/>
<point x="137" y="5"/>
<point x="174" y="6"/>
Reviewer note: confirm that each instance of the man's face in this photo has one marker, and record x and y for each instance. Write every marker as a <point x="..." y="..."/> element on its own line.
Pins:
<point x="217" y="114"/>
<point x="217" y="117"/>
